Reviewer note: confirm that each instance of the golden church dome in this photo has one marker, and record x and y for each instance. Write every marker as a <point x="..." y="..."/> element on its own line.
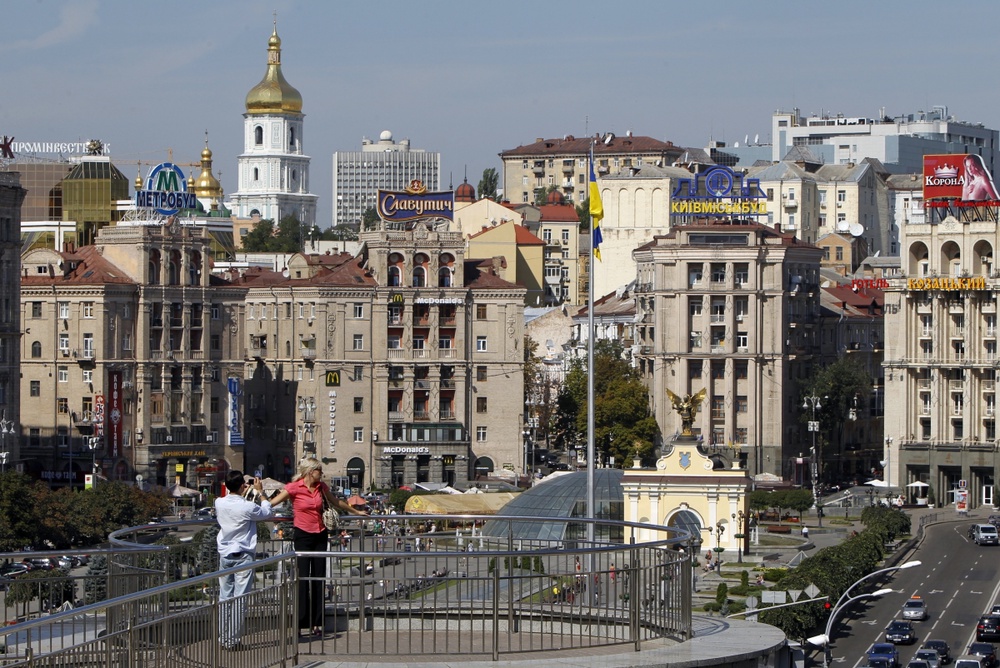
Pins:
<point x="273" y="93"/>
<point x="206" y="186"/>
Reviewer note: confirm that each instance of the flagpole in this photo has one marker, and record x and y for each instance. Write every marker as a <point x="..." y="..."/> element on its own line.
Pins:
<point x="591" y="503"/>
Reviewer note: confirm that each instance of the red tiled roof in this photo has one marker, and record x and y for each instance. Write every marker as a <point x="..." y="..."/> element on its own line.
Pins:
<point x="559" y="213"/>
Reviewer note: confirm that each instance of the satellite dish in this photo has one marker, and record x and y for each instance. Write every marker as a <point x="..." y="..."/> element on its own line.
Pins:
<point x="856" y="229"/>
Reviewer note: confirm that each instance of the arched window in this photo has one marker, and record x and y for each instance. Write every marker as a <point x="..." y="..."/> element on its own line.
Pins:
<point x="154" y="268"/>
<point x="394" y="277"/>
<point x="444" y="277"/>
<point x="256" y="174"/>
<point x="419" y="277"/>
<point x="258" y="136"/>
<point x="288" y="348"/>
<point x="36" y="349"/>
<point x="175" y="268"/>
<point x="291" y="138"/>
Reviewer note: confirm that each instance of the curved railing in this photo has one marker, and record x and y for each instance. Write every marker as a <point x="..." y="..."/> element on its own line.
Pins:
<point x="408" y="590"/>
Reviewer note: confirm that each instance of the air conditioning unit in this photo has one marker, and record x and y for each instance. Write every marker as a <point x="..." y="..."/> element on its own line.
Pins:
<point x="170" y="439"/>
<point x="210" y="438"/>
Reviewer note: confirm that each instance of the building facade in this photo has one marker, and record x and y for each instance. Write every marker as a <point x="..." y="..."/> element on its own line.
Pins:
<point x="400" y="365"/>
<point x="382" y="165"/>
<point x="941" y="359"/>
<point x="273" y="170"/>
<point x="563" y="163"/>
<point x="126" y="356"/>
<point x="12" y="197"/>
<point x="732" y="309"/>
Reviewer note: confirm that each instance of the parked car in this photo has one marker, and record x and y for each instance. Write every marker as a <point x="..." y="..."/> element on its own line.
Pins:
<point x="884" y="651"/>
<point x="39" y="564"/>
<point x="66" y="562"/>
<point x="940" y="646"/>
<point x="13" y="570"/>
<point x="900" y="632"/>
<point x="994" y="520"/>
<point x="915" y="608"/>
<point x="207" y="511"/>
<point x="986" y="652"/>
<point x="931" y="656"/>
<point x="986" y="534"/>
<point x="988" y="627"/>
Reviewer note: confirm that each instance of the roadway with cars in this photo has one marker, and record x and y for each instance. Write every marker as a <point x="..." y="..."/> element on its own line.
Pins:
<point x="958" y="582"/>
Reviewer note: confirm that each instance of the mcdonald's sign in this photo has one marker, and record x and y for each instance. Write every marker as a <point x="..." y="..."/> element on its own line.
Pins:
<point x="395" y="297"/>
<point x="333" y="378"/>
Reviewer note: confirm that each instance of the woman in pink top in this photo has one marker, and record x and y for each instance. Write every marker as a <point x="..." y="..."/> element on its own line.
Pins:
<point x="307" y="491"/>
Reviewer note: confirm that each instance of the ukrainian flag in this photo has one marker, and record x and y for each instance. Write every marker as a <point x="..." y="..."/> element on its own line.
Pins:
<point x="596" y="211"/>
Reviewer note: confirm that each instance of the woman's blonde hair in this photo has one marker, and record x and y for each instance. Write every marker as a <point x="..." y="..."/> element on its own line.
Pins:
<point x="305" y="466"/>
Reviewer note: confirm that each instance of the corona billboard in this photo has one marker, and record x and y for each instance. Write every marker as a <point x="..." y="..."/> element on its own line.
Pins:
<point x="960" y="179"/>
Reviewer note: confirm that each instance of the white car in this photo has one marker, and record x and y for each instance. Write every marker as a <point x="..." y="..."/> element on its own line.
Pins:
<point x="915" y="608"/>
<point x="931" y="656"/>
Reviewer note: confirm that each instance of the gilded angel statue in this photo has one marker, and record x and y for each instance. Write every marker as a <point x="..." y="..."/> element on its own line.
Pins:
<point x="687" y="408"/>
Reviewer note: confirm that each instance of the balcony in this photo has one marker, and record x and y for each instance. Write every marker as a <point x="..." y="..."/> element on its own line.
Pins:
<point x="926" y="332"/>
<point x="568" y="169"/>
<point x="645" y="350"/>
<point x="397" y="416"/>
<point x="308" y="354"/>
<point x="446" y="353"/>
<point x="989" y="385"/>
<point x="420" y="353"/>
<point x="925" y="410"/>
<point x="448" y="321"/>
<point x="718" y="317"/>
<point x="257" y="352"/>
<point x="446" y="413"/>
<point x="923" y="383"/>
<point x="718" y="349"/>
<point x="421" y="415"/>
<point x="538" y="169"/>
<point x="395" y="353"/>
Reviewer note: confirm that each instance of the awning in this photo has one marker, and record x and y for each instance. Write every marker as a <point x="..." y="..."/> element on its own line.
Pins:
<point x="918" y="483"/>
<point x="459" y="504"/>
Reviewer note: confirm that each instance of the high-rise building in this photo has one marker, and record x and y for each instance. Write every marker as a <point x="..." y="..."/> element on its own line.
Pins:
<point x="382" y="165"/>
<point x="273" y="170"/>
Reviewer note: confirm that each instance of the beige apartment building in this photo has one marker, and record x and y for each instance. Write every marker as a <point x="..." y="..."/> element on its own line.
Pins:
<point x="941" y="358"/>
<point x="733" y="309"/>
<point x="563" y="163"/>
<point x="398" y="366"/>
<point x="127" y="348"/>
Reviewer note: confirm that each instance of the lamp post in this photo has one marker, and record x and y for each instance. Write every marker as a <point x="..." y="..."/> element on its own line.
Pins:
<point x="740" y="516"/>
<point x="93" y="442"/>
<point x="888" y="460"/>
<point x="720" y="529"/>
<point x="813" y="403"/>
<point x="845" y="600"/>
<point x="528" y="461"/>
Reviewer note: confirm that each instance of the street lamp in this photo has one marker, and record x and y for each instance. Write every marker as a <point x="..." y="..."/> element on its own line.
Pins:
<point x="813" y="403"/>
<point x="844" y="601"/>
<point x="885" y="464"/>
<point x="824" y="639"/>
<point x="93" y="443"/>
<point x="740" y="537"/>
<point x="720" y="529"/>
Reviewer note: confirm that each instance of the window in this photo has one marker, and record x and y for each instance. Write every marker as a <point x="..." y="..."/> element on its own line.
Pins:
<point x="62" y="404"/>
<point x="840" y="253"/>
<point x="841" y="195"/>
<point x="742" y="369"/>
<point x="481" y="374"/>
<point x="88" y="309"/>
<point x="63" y="374"/>
<point x="258" y="139"/>
<point x="694" y="307"/>
<point x="742" y="405"/>
<point x="826" y="252"/>
<point x="359" y="310"/>
<point x="126" y="342"/>
<point x="214" y="405"/>
<point x="359" y="404"/>
<point x="36" y="309"/>
<point x="64" y="310"/>
<point x="718" y="370"/>
<point x="359" y="373"/>
<point x="216" y="312"/>
<point x="480" y="311"/>
<point x="480" y="344"/>
<point x="359" y="434"/>
<point x="88" y="375"/>
<point x="359" y="342"/>
<point x="215" y="342"/>
<point x="696" y="339"/>
<point x="36" y="388"/>
<point x="36" y="349"/>
<point x="480" y="434"/>
<point x="480" y="404"/>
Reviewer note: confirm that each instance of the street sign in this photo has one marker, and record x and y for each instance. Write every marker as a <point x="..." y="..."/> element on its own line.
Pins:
<point x="795" y="594"/>
<point x="751" y="602"/>
<point x="812" y="591"/>
<point x="774" y="596"/>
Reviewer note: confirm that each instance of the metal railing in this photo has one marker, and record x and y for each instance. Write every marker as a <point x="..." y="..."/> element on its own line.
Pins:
<point x="393" y="586"/>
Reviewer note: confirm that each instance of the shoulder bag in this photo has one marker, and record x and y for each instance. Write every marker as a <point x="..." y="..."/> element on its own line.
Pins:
<point x="331" y="518"/>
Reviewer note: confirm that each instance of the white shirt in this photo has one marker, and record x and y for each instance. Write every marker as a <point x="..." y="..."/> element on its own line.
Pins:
<point x="238" y="519"/>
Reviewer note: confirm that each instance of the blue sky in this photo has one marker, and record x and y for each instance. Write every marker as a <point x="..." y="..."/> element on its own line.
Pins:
<point x="472" y="79"/>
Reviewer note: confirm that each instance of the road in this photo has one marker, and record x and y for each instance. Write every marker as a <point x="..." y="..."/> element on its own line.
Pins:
<point x="959" y="581"/>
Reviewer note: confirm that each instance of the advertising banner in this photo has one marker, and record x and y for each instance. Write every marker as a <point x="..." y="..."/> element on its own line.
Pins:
<point x="114" y="413"/>
<point x="961" y="178"/>
<point x="415" y="202"/>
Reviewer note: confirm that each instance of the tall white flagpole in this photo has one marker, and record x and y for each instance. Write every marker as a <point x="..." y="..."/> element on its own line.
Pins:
<point x="591" y="503"/>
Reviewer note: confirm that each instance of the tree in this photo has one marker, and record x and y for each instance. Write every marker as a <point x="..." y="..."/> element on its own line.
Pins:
<point x="583" y="212"/>
<point x="623" y="425"/>
<point x="489" y="184"/>
<point x="542" y="194"/>
<point x="289" y="237"/>
<point x="18" y="516"/>
<point x="844" y="389"/>
<point x="369" y="219"/>
<point x="258" y="239"/>
<point x="341" y="233"/>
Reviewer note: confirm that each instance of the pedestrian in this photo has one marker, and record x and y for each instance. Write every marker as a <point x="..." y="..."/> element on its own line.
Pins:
<point x="237" y="544"/>
<point x="307" y="492"/>
<point x="805" y="531"/>
<point x="611" y="571"/>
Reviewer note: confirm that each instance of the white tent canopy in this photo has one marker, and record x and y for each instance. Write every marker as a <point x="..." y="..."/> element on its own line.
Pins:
<point x="878" y="483"/>
<point x="918" y="483"/>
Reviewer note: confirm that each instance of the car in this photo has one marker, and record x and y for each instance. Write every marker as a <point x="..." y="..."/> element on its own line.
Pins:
<point x="940" y="646"/>
<point x="968" y="662"/>
<point x="39" y="564"/>
<point x="66" y="562"/>
<point x="13" y="570"/>
<point x="156" y="520"/>
<point x="918" y="663"/>
<point x="994" y="520"/>
<point x="986" y="534"/>
<point x="205" y="512"/>
<point x="994" y="609"/>
<point x="931" y="656"/>
<point x="879" y="663"/>
<point x="988" y="627"/>
<point x="900" y="632"/>
<point x="884" y="651"/>
<point x="986" y="652"/>
<point x="914" y="608"/>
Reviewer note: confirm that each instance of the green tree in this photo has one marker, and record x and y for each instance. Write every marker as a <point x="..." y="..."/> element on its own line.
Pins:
<point x="799" y="500"/>
<point x="370" y="219"/>
<point x="289" y="237"/>
<point x="489" y="184"/>
<point x="844" y="389"/>
<point x="542" y="194"/>
<point x="258" y="239"/>
<point x="18" y="516"/>
<point x="623" y="425"/>
<point x="341" y="233"/>
<point x="583" y="212"/>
